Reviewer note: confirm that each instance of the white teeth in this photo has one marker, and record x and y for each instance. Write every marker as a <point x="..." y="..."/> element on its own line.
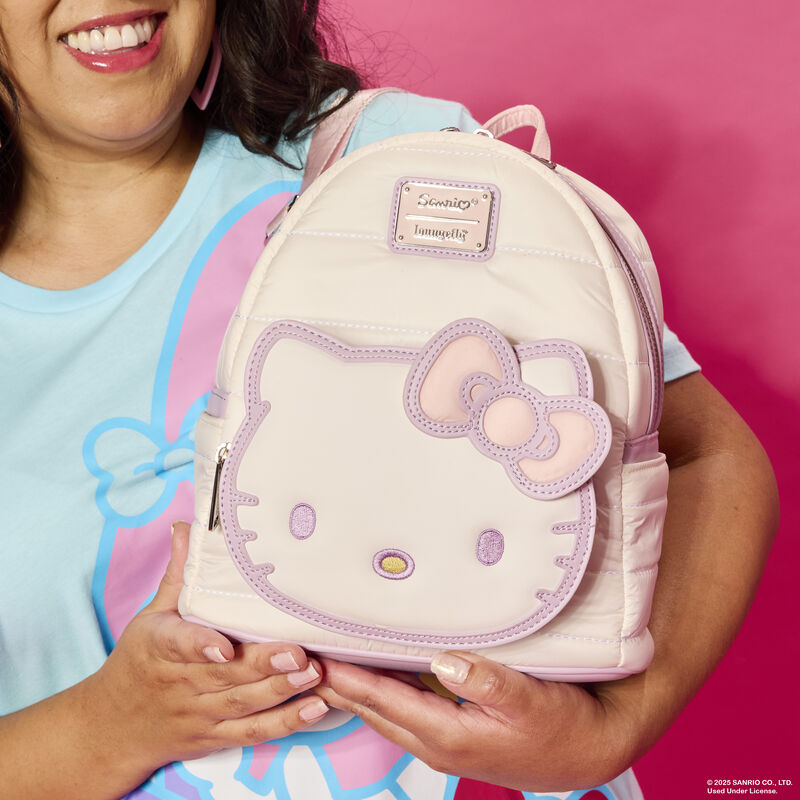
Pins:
<point x="112" y="37"/>
<point x="96" y="40"/>
<point x="129" y="38"/>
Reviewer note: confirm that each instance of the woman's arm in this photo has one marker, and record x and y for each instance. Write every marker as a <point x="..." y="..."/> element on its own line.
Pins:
<point x="169" y="690"/>
<point x="536" y="735"/>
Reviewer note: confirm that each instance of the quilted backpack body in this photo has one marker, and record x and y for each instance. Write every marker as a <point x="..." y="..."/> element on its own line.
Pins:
<point x="435" y="420"/>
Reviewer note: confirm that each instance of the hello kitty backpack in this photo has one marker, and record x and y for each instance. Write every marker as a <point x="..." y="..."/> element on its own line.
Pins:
<point x="435" y="417"/>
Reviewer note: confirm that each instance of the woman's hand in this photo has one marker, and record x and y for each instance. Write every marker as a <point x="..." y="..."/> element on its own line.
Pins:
<point x="512" y="730"/>
<point x="170" y="690"/>
<point x="175" y="690"/>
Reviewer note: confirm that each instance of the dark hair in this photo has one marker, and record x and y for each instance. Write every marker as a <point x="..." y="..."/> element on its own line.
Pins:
<point x="10" y="167"/>
<point x="276" y="72"/>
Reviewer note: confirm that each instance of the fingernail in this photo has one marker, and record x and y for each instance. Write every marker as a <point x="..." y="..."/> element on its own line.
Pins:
<point x="214" y="654"/>
<point x="284" y="662"/>
<point x="304" y="677"/>
<point x="313" y="710"/>
<point x="450" y="668"/>
<point x="172" y="529"/>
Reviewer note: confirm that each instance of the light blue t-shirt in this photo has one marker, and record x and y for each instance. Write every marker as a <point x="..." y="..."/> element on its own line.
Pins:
<point x="102" y="386"/>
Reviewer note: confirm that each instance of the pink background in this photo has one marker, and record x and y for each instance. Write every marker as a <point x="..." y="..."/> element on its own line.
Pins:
<point x="688" y="113"/>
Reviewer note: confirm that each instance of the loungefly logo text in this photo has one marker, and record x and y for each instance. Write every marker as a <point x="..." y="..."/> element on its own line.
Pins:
<point x="441" y="234"/>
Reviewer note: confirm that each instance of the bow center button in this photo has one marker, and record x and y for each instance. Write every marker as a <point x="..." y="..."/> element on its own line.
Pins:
<point x="509" y="421"/>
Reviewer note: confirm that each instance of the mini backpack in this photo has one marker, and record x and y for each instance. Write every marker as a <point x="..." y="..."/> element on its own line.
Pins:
<point x="434" y="424"/>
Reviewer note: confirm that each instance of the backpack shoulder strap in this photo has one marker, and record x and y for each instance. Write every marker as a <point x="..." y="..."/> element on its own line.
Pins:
<point x="522" y="117"/>
<point x="330" y="139"/>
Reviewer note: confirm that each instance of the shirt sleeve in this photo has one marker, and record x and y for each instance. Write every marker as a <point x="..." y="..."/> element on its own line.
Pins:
<point x="396" y="113"/>
<point x="677" y="360"/>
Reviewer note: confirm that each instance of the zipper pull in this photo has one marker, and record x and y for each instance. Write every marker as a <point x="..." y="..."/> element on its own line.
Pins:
<point x="546" y="161"/>
<point x="213" y="514"/>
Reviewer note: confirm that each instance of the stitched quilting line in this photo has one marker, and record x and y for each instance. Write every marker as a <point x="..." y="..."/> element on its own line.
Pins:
<point x="639" y="571"/>
<point x="593" y="638"/>
<point x="643" y="504"/>
<point x="520" y="250"/>
<point x="471" y="154"/>
<point x="551" y="601"/>
<point x="220" y="593"/>
<point x="334" y="324"/>
<point x="555" y="254"/>
<point x="337" y="235"/>
<point x="617" y="358"/>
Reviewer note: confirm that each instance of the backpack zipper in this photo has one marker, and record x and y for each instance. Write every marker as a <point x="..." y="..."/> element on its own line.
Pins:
<point x="213" y="514"/>
<point x="634" y="272"/>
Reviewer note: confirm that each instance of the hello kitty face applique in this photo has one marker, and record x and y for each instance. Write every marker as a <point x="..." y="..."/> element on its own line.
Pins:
<point x="438" y="496"/>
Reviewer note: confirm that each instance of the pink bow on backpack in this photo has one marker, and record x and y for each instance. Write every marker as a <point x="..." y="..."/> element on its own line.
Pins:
<point x="466" y="382"/>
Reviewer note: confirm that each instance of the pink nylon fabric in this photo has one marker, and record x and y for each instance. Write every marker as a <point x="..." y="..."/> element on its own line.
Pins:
<point x="438" y="395"/>
<point x="576" y="442"/>
<point x="509" y="422"/>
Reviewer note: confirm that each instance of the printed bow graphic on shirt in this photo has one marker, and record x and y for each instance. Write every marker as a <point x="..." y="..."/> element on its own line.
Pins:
<point x="125" y="453"/>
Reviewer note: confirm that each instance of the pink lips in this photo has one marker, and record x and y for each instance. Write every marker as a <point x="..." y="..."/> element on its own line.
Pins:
<point x="114" y="62"/>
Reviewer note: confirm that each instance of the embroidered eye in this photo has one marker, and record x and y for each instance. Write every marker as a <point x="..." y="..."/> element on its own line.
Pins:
<point x="302" y="521"/>
<point x="490" y="547"/>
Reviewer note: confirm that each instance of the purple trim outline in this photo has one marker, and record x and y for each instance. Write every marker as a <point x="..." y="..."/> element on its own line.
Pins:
<point x="257" y="575"/>
<point x="304" y="527"/>
<point x="443" y="252"/>
<point x="511" y="386"/>
<point x="394" y="576"/>
<point x="422" y="663"/>
<point x="486" y="548"/>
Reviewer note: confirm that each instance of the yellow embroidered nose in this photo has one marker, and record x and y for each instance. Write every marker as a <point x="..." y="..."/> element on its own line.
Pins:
<point x="394" y="564"/>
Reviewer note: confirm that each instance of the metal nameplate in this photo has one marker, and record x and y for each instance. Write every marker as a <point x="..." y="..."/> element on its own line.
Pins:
<point x="445" y="218"/>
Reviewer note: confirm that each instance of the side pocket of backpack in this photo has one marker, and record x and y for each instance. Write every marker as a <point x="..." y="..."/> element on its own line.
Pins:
<point x="644" y="505"/>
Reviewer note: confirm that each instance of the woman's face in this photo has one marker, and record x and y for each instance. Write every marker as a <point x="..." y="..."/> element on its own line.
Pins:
<point x="104" y="73"/>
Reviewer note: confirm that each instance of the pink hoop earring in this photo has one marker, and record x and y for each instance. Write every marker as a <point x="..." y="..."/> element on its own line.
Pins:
<point x="202" y="96"/>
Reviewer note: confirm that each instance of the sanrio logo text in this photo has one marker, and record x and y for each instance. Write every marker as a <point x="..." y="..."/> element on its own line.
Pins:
<point x="455" y="204"/>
